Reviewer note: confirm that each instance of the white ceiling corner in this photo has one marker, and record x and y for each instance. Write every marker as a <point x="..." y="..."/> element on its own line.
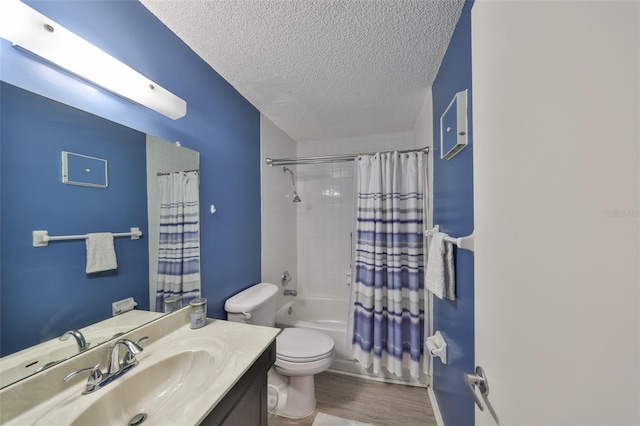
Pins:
<point x="321" y="69"/>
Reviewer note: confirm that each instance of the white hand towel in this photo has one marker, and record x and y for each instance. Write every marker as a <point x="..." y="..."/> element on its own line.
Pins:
<point x="101" y="254"/>
<point x="440" y="273"/>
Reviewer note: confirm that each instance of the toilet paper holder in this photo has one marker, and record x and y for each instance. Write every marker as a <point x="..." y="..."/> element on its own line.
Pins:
<point x="437" y="346"/>
<point x="122" y="306"/>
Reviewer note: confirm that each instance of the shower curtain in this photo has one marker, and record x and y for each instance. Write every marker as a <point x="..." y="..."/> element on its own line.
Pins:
<point x="179" y="242"/>
<point x="386" y="319"/>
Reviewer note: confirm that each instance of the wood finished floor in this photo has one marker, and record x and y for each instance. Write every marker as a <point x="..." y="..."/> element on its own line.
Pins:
<point x="367" y="401"/>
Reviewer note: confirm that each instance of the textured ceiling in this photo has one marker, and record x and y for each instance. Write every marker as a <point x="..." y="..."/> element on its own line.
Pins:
<point x="321" y="69"/>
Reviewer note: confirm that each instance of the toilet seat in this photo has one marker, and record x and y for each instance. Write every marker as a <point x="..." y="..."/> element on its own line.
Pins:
<point x="302" y="360"/>
<point x="297" y="345"/>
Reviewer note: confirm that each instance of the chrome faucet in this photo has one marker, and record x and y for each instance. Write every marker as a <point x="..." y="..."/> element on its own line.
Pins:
<point x="115" y="368"/>
<point x="286" y="277"/>
<point x="288" y="292"/>
<point x="81" y="342"/>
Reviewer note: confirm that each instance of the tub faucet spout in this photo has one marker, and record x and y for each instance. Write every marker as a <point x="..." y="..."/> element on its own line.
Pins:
<point x="293" y="293"/>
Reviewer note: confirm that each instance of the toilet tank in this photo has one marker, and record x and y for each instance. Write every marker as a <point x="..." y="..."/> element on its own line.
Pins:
<point x="255" y="305"/>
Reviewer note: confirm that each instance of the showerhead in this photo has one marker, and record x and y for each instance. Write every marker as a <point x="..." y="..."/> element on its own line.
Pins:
<point x="296" y="197"/>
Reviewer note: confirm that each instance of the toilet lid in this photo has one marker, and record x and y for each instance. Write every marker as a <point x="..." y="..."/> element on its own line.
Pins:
<point x="299" y="345"/>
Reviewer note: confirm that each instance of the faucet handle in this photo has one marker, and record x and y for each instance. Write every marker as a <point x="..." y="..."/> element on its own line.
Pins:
<point x="94" y="376"/>
<point x="286" y="277"/>
<point x="142" y="339"/>
<point x="129" y="357"/>
<point x="116" y="335"/>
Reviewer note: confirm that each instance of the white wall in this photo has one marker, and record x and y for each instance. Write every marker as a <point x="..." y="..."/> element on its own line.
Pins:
<point x="423" y="135"/>
<point x="279" y="228"/>
<point x="162" y="157"/>
<point x="557" y="192"/>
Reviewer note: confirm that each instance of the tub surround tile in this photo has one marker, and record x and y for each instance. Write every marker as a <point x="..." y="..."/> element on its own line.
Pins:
<point x="325" y="221"/>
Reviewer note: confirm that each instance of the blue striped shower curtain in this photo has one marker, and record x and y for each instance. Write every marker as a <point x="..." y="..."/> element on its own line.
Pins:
<point x="386" y="320"/>
<point x="179" y="242"/>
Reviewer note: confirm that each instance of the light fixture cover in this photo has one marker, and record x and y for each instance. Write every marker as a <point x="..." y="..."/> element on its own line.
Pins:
<point x="34" y="32"/>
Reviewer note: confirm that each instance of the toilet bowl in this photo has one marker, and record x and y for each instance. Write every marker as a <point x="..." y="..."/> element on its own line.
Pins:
<point x="300" y="353"/>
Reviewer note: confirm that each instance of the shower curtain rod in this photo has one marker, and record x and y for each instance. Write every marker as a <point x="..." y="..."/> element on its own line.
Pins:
<point x="329" y="158"/>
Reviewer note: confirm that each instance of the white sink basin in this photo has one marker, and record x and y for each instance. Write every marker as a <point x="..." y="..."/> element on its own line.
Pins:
<point x="162" y="388"/>
<point x="156" y="391"/>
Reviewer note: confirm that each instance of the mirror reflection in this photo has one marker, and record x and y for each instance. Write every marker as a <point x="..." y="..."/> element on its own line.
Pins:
<point x="52" y="305"/>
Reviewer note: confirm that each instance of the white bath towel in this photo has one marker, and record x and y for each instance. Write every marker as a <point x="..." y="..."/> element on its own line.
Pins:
<point x="440" y="273"/>
<point x="101" y="254"/>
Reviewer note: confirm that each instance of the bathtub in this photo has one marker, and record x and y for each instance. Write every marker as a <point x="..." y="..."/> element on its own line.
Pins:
<point x="329" y="316"/>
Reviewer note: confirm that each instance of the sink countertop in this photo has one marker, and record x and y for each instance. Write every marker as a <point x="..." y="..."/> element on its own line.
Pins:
<point x="243" y="345"/>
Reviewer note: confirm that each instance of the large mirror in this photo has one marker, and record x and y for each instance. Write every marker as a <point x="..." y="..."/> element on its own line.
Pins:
<point x="46" y="294"/>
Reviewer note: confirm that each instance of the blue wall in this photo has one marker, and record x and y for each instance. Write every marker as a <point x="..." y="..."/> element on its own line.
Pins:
<point x="45" y="291"/>
<point x="453" y="211"/>
<point x="220" y="124"/>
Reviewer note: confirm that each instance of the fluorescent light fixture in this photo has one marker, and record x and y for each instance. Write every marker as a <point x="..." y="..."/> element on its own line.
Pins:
<point x="35" y="33"/>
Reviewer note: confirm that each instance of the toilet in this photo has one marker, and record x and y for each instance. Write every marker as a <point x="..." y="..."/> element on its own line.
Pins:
<point x="300" y="353"/>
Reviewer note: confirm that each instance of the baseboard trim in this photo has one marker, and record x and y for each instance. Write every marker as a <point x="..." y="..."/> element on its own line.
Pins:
<point x="434" y="405"/>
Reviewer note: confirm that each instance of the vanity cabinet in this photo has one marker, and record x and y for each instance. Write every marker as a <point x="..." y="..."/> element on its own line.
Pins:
<point x="246" y="403"/>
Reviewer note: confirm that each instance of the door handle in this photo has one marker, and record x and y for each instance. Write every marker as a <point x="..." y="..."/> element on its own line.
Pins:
<point x="480" y="380"/>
